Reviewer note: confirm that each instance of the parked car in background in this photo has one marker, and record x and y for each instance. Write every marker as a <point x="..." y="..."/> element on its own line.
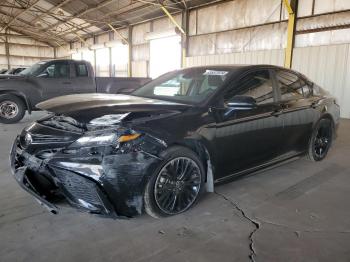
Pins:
<point x="15" y="71"/>
<point x="161" y="147"/>
<point x="48" y="79"/>
<point x="3" y="71"/>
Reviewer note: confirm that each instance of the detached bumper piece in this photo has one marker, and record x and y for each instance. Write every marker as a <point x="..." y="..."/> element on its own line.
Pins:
<point x="48" y="184"/>
<point x="26" y="184"/>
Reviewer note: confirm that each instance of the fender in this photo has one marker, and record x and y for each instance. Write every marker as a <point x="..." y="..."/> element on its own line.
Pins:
<point x="202" y="149"/>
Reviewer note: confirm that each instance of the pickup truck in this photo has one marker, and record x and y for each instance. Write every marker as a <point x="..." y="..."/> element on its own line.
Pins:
<point x="48" y="79"/>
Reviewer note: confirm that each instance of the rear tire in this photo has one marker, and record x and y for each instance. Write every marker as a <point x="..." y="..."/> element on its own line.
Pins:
<point x="321" y="140"/>
<point x="176" y="185"/>
<point x="12" y="109"/>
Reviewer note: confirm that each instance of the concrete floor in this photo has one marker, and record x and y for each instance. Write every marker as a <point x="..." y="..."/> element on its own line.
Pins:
<point x="296" y="212"/>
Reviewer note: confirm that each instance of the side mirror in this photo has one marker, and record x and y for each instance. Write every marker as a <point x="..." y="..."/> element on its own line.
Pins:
<point x="241" y="103"/>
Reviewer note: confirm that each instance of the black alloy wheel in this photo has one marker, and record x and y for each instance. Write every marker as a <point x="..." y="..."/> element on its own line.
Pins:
<point x="177" y="184"/>
<point x="321" y="140"/>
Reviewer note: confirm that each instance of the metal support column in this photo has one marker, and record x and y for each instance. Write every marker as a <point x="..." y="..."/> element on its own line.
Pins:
<point x="183" y="30"/>
<point x="130" y="51"/>
<point x="292" y="8"/>
<point x="111" y="71"/>
<point x="7" y="50"/>
<point x="184" y="37"/>
<point x="95" y="60"/>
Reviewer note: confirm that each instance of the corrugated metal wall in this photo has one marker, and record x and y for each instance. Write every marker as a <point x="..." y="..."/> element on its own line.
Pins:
<point x="254" y="32"/>
<point x="63" y="52"/>
<point x="273" y="57"/>
<point x="328" y="66"/>
<point x="24" y="51"/>
<point x="322" y="55"/>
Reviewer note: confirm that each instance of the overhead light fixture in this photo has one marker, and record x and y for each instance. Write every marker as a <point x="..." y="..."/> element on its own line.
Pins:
<point x="60" y="12"/>
<point x="113" y="43"/>
<point x="96" y="46"/>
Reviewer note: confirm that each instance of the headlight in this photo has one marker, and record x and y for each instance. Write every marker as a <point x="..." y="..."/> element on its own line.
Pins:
<point x="104" y="138"/>
<point x="127" y="138"/>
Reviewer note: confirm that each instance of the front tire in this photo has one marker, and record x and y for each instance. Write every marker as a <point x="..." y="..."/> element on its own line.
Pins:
<point x="12" y="109"/>
<point x="176" y="185"/>
<point x="321" y="139"/>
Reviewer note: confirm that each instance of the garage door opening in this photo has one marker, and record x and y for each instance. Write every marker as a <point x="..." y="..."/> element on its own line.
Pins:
<point x="165" y="55"/>
<point x="120" y="60"/>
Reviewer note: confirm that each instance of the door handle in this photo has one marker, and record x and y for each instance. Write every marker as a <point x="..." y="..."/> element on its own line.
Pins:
<point x="66" y="83"/>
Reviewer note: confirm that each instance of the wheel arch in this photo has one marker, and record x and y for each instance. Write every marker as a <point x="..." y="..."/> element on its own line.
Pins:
<point x="334" y="123"/>
<point x="325" y="115"/>
<point x="199" y="148"/>
<point x="21" y="96"/>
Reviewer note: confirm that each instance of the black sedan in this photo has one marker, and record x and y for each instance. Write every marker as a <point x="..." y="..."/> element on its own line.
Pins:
<point x="173" y="139"/>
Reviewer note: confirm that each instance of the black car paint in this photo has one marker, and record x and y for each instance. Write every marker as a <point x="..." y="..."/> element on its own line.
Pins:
<point x="230" y="142"/>
<point x="34" y="89"/>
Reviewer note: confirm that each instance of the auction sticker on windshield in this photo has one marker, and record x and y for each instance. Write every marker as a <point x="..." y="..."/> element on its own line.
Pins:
<point x="215" y="73"/>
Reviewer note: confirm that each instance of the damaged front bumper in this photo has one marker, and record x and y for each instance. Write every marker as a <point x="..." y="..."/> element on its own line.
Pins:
<point x="23" y="181"/>
<point x="110" y="185"/>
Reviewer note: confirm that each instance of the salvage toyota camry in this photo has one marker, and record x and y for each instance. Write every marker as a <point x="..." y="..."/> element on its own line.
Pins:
<point x="158" y="149"/>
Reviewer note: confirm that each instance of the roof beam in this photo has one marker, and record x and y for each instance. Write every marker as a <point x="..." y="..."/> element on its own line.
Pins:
<point x="33" y="31"/>
<point x="159" y="4"/>
<point x="172" y="19"/>
<point x="51" y="10"/>
<point x="88" y="10"/>
<point x="23" y="33"/>
<point x="14" y="35"/>
<point x="47" y="13"/>
<point x="14" y="18"/>
<point x="119" y="34"/>
<point x="107" y="23"/>
<point x="115" y="12"/>
<point x="12" y="6"/>
<point x="54" y="16"/>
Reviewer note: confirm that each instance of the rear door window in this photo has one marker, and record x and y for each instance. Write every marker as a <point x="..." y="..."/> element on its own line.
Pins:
<point x="292" y="86"/>
<point x="81" y="70"/>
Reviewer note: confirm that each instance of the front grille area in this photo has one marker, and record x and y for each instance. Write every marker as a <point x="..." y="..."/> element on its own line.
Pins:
<point x="57" y="184"/>
<point x="81" y="191"/>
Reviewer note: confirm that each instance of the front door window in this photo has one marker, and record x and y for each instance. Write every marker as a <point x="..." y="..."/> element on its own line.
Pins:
<point x="56" y="70"/>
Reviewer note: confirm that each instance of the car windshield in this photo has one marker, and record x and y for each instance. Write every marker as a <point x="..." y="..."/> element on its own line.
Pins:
<point x="187" y="86"/>
<point x="33" y="70"/>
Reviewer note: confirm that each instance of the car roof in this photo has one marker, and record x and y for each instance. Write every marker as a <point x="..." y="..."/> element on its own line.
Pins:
<point x="235" y="67"/>
<point x="238" y="68"/>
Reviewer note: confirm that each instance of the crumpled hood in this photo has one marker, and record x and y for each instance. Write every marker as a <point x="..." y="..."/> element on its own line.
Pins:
<point x="110" y="108"/>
